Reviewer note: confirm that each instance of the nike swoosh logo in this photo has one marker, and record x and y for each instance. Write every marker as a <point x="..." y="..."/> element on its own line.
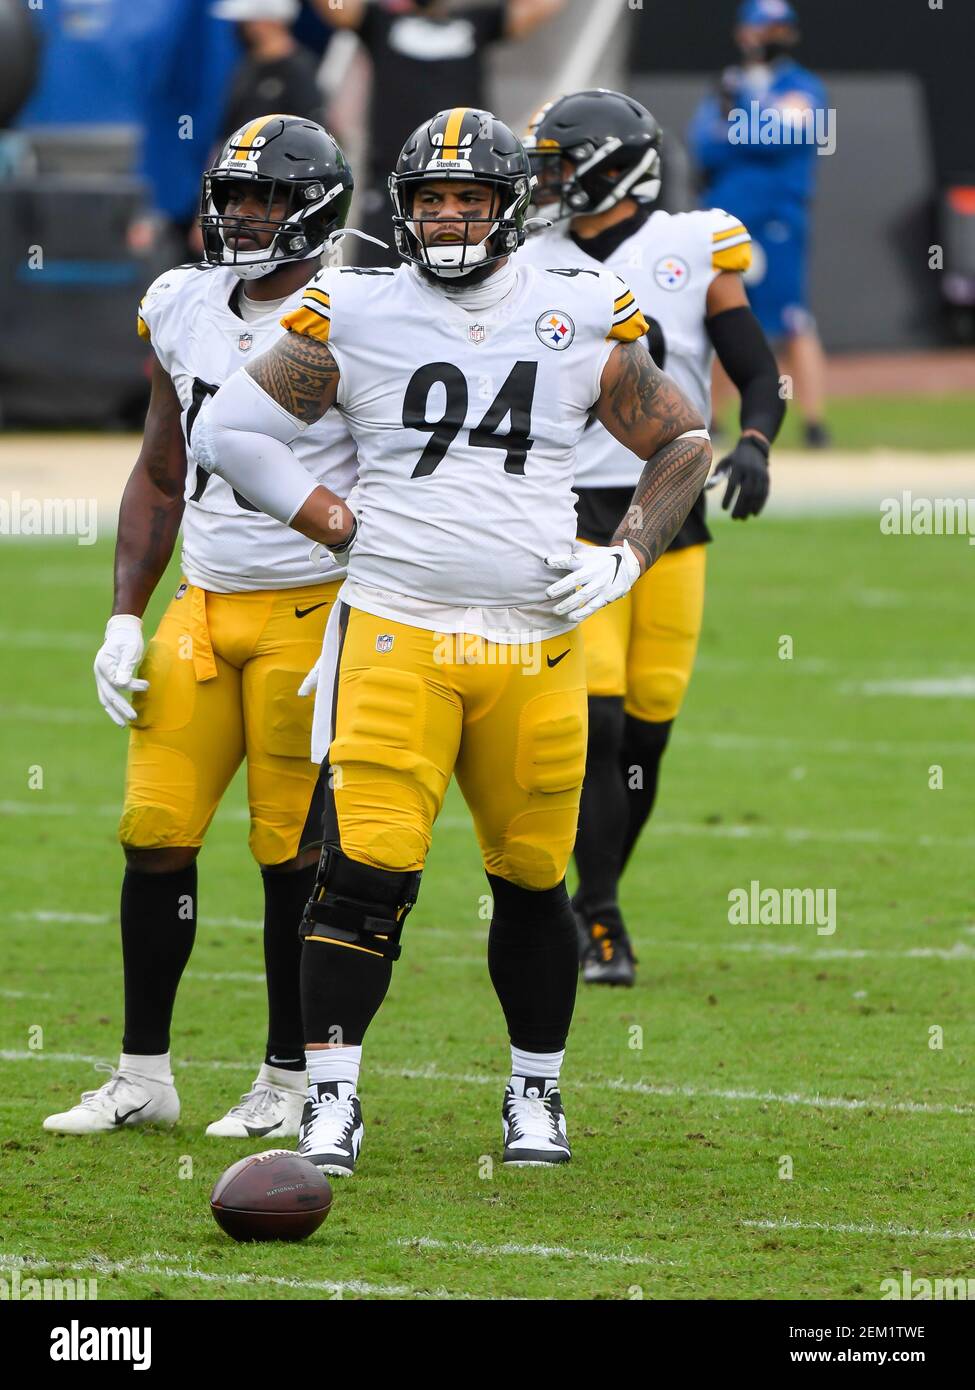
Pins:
<point x="619" y="561"/>
<point x="303" y="612"/>
<point x="258" y="1133"/>
<point x="557" y="659"/>
<point x="121" y="1119"/>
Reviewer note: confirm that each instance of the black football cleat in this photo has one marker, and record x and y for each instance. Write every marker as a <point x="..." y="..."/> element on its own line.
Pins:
<point x="608" y="958"/>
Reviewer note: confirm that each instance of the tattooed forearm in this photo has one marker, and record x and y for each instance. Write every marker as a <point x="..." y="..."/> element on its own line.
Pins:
<point x="640" y="405"/>
<point x="667" y="490"/>
<point x="300" y="374"/>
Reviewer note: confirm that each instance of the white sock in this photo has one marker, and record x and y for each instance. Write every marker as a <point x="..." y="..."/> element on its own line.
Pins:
<point x="334" y="1064"/>
<point x="542" y="1064"/>
<point x="156" y="1068"/>
<point x="282" y="1080"/>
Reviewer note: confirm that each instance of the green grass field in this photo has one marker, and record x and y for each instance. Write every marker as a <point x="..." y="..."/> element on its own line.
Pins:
<point x="758" y="1042"/>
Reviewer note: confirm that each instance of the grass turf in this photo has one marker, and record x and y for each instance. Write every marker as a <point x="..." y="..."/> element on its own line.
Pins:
<point x="756" y="1040"/>
<point x="938" y="424"/>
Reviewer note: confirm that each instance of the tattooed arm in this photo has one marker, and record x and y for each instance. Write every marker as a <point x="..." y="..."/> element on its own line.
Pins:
<point x="152" y="503"/>
<point x="243" y="432"/>
<point x="645" y="410"/>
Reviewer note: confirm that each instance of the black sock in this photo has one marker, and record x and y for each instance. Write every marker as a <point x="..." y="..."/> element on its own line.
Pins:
<point x="602" y="812"/>
<point x="341" y="991"/>
<point x="158" y="926"/>
<point x="533" y="958"/>
<point x="285" y="895"/>
<point x="643" y="749"/>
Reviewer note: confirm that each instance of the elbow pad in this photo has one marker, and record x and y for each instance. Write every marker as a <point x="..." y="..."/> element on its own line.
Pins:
<point x="242" y="435"/>
<point x="743" y="350"/>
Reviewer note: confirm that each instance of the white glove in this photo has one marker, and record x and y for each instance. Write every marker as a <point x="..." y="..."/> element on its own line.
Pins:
<point x="599" y="574"/>
<point x="117" y="659"/>
<point x="310" y="684"/>
<point x="325" y="554"/>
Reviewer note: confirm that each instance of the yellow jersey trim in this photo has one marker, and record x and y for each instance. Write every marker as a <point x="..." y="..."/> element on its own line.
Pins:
<point x="629" y="329"/>
<point x="311" y="322"/>
<point x="733" y="257"/>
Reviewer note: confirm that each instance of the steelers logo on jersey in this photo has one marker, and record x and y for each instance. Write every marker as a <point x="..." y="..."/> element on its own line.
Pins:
<point x="555" y="329"/>
<point x="671" y="273"/>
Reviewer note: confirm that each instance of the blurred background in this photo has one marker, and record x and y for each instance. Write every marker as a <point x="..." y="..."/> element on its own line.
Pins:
<point x="110" y="112"/>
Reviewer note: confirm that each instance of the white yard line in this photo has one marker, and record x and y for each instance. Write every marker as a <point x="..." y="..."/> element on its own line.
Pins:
<point x="849" y="1228"/>
<point x="864" y="835"/>
<point x="429" y="1072"/>
<point x="544" y="1252"/>
<point x="52" y="917"/>
<point x="159" y="1266"/>
<point x="960" y="951"/>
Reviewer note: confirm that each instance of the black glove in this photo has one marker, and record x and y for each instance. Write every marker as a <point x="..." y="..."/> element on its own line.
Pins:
<point x="746" y="469"/>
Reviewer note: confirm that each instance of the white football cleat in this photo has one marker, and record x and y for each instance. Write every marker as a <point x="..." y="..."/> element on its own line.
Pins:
<point x="124" y="1101"/>
<point x="265" y="1109"/>
<point x="331" y="1127"/>
<point x="533" y="1123"/>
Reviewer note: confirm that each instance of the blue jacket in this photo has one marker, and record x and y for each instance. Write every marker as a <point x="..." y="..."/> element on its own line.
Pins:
<point x="757" y="181"/>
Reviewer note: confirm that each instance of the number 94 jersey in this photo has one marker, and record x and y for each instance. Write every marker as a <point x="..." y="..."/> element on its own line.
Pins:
<point x="229" y="546"/>
<point x="466" y="423"/>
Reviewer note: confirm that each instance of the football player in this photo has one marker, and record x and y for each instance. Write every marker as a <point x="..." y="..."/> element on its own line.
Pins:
<point x="597" y="159"/>
<point x="466" y="381"/>
<point x="219" y="680"/>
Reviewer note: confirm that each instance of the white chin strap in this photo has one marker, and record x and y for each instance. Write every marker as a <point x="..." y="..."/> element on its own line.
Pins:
<point x="247" y="269"/>
<point x="457" y="258"/>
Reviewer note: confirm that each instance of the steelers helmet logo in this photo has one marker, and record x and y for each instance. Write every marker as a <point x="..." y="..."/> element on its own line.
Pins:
<point x="671" y="273"/>
<point x="555" y="329"/>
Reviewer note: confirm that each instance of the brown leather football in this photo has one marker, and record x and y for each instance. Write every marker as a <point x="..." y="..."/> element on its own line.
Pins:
<point x="271" y="1196"/>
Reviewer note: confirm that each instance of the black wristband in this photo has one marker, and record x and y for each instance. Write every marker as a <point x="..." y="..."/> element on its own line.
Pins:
<point x="762" y="445"/>
<point x="744" y="352"/>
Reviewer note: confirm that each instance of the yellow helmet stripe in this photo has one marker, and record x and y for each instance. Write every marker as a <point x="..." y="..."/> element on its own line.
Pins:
<point x="252" y="131"/>
<point x="450" y="148"/>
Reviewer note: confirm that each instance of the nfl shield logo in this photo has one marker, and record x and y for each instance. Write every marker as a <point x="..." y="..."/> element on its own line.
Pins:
<point x="245" y="342"/>
<point x="477" y="332"/>
<point x="384" y="642"/>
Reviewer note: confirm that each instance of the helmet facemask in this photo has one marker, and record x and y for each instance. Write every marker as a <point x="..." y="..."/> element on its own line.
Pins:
<point x="300" y="231"/>
<point x="586" y="179"/>
<point x="465" y="258"/>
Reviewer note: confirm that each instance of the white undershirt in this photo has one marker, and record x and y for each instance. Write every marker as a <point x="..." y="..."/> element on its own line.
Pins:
<point x="250" y="310"/>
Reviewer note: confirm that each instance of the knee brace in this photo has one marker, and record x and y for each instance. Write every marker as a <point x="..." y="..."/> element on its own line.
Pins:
<point x="357" y="905"/>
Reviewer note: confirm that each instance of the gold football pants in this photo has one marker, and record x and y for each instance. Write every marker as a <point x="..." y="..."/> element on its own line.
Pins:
<point x="223" y="673"/>
<point x="413" y="706"/>
<point x="643" y="646"/>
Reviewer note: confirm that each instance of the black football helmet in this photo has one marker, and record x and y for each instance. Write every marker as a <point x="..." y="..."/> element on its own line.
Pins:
<point x="469" y="146"/>
<point x="591" y="150"/>
<point x="289" y="159"/>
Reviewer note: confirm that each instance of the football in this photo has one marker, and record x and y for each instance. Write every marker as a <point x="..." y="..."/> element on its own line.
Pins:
<point x="271" y="1196"/>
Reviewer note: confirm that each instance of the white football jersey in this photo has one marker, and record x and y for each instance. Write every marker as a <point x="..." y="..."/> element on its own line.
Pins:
<point x="466" y="423"/>
<point x="669" y="262"/>
<point x="228" y="545"/>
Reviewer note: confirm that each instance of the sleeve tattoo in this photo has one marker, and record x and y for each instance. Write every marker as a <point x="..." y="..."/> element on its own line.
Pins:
<point x="647" y="409"/>
<point x="668" y="488"/>
<point x="299" y="373"/>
